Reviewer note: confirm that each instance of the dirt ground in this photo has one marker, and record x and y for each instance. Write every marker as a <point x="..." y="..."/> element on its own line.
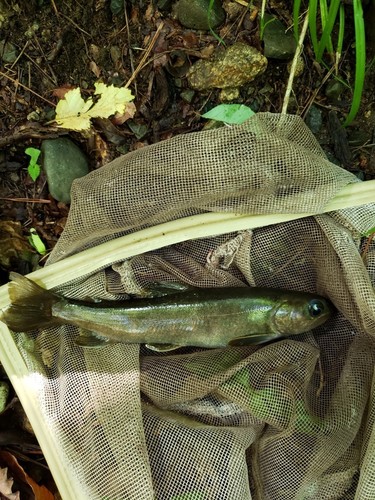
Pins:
<point x="66" y="44"/>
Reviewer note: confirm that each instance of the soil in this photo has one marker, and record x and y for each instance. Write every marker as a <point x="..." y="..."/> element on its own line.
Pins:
<point x="67" y="44"/>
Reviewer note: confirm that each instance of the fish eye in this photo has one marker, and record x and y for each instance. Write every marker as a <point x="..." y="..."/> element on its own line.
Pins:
<point x="316" y="307"/>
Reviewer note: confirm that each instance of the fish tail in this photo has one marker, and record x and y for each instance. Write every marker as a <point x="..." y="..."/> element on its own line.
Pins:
<point x="30" y="307"/>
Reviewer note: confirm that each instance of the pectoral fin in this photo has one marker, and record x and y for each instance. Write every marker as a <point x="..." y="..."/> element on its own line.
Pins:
<point x="252" y="339"/>
<point x="163" y="347"/>
<point x="87" y="339"/>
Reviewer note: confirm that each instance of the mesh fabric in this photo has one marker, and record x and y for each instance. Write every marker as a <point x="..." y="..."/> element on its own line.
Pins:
<point x="290" y="420"/>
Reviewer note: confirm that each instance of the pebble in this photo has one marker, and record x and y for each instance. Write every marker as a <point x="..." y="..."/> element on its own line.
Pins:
<point x="229" y="94"/>
<point x="278" y="43"/>
<point x="314" y="119"/>
<point x="63" y="162"/>
<point x="238" y="64"/>
<point x="194" y="14"/>
<point x="334" y="89"/>
<point x="300" y="66"/>
<point x="187" y="95"/>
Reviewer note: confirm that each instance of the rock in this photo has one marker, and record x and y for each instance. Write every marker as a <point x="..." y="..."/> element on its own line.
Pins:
<point x="194" y="14"/>
<point x="233" y="10"/>
<point x="334" y="89"/>
<point x="278" y="43"/>
<point x="63" y="162"/>
<point x="187" y="95"/>
<point x="229" y="94"/>
<point x="300" y="66"/>
<point x="314" y="119"/>
<point x="238" y="64"/>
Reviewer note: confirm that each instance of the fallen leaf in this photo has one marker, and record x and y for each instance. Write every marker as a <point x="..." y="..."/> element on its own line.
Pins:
<point x="40" y="492"/>
<point x="71" y="112"/>
<point x="94" y="68"/>
<point x="74" y="113"/>
<point x="6" y="485"/>
<point x="119" y="118"/>
<point x="113" y="100"/>
<point x="61" y="91"/>
<point x="13" y="244"/>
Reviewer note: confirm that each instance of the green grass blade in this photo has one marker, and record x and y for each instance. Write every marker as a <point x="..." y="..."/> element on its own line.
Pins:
<point x="313" y="8"/>
<point x="331" y="18"/>
<point x="296" y="12"/>
<point x="213" y="33"/>
<point x="324" y="16"/>
<point x="360" y="60"/>
<point x="340" y="38"/>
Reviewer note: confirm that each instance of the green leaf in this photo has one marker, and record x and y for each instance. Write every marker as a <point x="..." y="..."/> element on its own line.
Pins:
<point x="36" y="242"/>
<point x="139" y="130"/>
<point x="360" y="60"/>
<point x="369" y="232"/>
<point x="34" y="154"/>
<point x="33" y="168"/>
<point x="34" y="171"/>
<point x="230" y="113"/>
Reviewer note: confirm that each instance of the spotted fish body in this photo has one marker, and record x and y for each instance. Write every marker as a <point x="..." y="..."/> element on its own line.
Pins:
<point x="206" y="317"/>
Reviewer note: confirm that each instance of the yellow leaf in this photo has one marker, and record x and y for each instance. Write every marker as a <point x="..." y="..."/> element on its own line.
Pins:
<point x="74" y="113"/>
<point x="70" y="111"/>
<point x="113" y="100"/>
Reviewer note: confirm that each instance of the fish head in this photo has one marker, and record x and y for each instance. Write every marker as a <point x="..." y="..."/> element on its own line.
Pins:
<point x="300" y="314"/>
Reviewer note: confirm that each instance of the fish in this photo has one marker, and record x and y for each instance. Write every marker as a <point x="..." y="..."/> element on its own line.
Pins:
<point x="199" y="317"/>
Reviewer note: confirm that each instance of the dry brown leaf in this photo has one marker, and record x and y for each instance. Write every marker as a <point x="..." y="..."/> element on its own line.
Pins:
<point x="40" y="492"/>
<point x="6" y="485"/>
<point x="94" y="68"/>
<point x="13" y="244"/>
<point x="119" y="118"/>
<point x="61" y="91"/>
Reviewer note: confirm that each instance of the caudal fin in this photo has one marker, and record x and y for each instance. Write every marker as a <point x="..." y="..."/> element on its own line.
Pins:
<point x="30" y="307"/>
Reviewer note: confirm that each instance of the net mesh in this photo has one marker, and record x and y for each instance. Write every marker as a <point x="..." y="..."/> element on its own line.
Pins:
<point x="290" y="420"/>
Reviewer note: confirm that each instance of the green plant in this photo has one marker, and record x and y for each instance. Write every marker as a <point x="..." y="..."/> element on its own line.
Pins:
<point x="209" y="12"/>
<point x="33" y="167"/>
<point x="263" y="23"/>
<point x="235" y="114"/>
<point x="332" y="15"/>
<point x="36" y="242"/>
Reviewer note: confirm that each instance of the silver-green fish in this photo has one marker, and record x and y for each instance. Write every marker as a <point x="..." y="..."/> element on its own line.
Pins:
<point x="204" y="317"/>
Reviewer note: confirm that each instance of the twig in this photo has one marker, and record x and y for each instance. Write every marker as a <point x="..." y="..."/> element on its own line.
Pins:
<point x="294" y="64"/>
<point x="316" y="91"/>
<point x="16" y="82"/>
<point x="53" y="78"/>
<point x="55" y="8"/>
<point x="131" y="57"/>
<point x="75" y="25"/>
<point x="145" y="55"/>
<point x="20" y="54"/>
<point x="26" y="200"/>
<point x="41" y="69"/>
<point x="29" y="132"/>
